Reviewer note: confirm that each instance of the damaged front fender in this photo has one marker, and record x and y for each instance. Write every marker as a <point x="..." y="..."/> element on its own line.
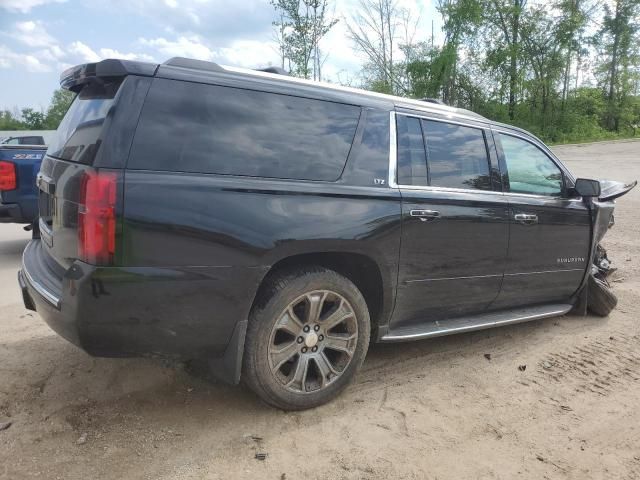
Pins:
<point x="601" y="220"/>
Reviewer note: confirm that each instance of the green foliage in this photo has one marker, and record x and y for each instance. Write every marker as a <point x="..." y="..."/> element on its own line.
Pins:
<point x="30" y="119"/>
<point x="521" y="63"/>
<point x="60" y="103"/>
<point x="302" y="25"/>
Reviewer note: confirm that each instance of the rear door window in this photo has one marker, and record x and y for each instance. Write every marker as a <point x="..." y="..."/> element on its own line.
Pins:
<point x="456" y="156"/>
<point x="412" y="160"/>
<point x="78" y="136"/>
<point x="190" y="127"/>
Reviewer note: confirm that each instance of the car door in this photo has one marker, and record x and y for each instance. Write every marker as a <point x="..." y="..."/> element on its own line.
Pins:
<point x="454" y="220"/>
<point x="549" y="231"/>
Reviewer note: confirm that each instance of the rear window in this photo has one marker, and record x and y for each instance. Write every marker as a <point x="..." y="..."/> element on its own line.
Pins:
<point x="78" y="136"/>
<point x="190" y="127"/>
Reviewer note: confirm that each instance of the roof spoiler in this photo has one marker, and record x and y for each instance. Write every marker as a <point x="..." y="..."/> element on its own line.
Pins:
<point x="75" y="77"/>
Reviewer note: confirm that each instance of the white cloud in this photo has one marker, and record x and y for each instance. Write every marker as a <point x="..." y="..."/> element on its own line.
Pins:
<point x="32" y="34"/>
<point x="9" y="59"/>
<point x="111" y="53"/>
<point x="83" y="51"/>
<point x="191" y="46"/>
<point x="25" y="6"/>
<point x="248" y="53"/>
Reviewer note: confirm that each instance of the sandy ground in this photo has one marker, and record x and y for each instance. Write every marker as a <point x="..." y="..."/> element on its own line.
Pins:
<point x="434" y="409"/>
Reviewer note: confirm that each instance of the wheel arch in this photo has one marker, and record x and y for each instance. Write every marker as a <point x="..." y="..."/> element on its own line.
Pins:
<point x="375" y="282"/>
<point x="361" y="269"/>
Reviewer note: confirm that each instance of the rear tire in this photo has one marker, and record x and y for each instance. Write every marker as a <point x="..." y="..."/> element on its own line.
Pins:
<point x="601" y="300"/>
<point x="307" y="336"/>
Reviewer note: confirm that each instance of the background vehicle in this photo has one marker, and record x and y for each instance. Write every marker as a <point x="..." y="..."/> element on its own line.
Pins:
<point x="274" y="226"/>
<point x="24" y="140"/>
<point x="19" y="165"/>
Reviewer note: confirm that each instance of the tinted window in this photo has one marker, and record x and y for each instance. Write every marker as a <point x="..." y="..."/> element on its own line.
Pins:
<point x="78" y="136"/>
<point x="193" y="127"/>
<point x="369" y="158"/>
<point x="31" y="141"/>
<point x="530" y="169"/>
<point x="412" y="162"/>
<point x="457" y="156"/>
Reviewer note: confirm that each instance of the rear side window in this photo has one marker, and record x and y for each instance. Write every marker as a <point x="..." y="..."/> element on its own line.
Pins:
<point x="457" y="156"/>
<point x="31" y="141"/>
<point x="192" y="127"/>
<point x="79" y="134"/>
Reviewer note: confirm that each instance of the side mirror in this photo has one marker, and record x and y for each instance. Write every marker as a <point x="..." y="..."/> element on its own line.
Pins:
<point x="587" y="188"/>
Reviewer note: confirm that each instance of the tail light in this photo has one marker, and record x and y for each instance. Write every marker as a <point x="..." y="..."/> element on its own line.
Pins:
<point x="8" y="180"/>
<point x="97" y="217"/>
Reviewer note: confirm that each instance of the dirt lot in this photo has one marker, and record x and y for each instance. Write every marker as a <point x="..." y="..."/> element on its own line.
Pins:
<point x="434" y="409"/>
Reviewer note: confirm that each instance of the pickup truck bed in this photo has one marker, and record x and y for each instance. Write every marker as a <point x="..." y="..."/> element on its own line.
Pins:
<point x="20" y="204"/>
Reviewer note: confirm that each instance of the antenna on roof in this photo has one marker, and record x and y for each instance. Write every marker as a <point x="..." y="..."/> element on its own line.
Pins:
<point x="194" y="64"/>
<point x="276" y="70"/>
<point x="433" y="100"/>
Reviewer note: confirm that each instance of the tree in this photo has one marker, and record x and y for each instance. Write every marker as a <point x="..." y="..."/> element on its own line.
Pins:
<point x="374" y="32"/>
<point x="302" y="24"/>
<point x="60" y="102"/>
<point x="619" y="56"/>
<point x="503" y="22"/>
<point x="33" y="120"/>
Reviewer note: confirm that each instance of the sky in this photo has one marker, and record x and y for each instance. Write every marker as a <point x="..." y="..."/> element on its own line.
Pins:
<point x="41" y="38"/>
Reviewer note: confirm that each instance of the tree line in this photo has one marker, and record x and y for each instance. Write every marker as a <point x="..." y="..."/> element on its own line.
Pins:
<point x="31" y="119"/>
<point x="567" y="70"/>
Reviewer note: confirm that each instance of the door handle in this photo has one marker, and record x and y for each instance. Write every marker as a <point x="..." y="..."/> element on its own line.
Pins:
<point x="526" y="218"/>
<point x="425" y="215"/>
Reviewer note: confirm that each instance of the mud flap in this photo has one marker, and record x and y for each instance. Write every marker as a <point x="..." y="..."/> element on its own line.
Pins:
<point x="228" y="367"/>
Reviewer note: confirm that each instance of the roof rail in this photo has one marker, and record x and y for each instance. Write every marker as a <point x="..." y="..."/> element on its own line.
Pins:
<point x="433" y="100"/>
<point x="193" y="64"/>
<point x="276" y="70"/>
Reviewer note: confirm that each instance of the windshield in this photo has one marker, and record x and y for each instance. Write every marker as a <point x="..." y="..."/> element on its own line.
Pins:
<point x="79" y="133"/>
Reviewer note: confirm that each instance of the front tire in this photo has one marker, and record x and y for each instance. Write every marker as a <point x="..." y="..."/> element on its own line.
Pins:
<point x="307" y="336"/>
<point x="601" y="300"/>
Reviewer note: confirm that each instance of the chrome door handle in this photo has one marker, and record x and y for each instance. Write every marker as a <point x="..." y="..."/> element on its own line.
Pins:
<point x="526" y="218"/>
<point x="425" y="215"/>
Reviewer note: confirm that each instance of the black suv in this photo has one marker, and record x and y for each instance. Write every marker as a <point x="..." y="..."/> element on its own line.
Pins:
<point x="274" y="225"/>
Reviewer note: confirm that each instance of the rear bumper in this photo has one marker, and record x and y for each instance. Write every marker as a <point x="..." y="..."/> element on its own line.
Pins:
<point x="122" y="312"/>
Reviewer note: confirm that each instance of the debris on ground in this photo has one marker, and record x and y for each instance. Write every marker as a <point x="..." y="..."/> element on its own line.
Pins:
<point x="522" y="368"/>
<point x="5" y="425"/>
<point x="546" y="365"/>
<point x="82" y="440"/>
<point x="261" y="456"/>
<point x="487" y="356"/>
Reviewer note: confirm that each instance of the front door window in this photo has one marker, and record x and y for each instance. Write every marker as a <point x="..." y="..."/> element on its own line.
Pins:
<point x="530" y="170"/>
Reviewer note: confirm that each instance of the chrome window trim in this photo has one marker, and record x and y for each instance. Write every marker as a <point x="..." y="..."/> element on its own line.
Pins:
<point x="393" y="150"/>
<point x="393" y="158"/>
<point x="446" y="120"/>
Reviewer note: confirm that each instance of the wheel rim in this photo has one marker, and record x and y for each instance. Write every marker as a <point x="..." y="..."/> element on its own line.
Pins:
<point x="313" y="341"/>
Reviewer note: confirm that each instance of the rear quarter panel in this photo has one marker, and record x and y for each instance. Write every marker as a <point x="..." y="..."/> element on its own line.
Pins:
<point x="236" y="228"/>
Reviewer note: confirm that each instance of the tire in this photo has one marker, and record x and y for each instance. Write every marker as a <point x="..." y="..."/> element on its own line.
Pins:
<point x="601" y="300"/>
<point x="277" y="324"/>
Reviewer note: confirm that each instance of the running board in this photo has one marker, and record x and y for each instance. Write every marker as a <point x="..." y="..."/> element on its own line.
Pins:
<point x="478" y="322"/>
